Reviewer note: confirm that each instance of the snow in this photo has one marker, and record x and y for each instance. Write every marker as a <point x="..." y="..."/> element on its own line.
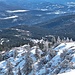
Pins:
<point x="42" y="71"/>
<point x="14" y="20"/>
<point x="2" y="64"/>
<point x="17" y="62"/>
<point x="21" y="64"/>
<point x="72" y="72"/>
<point x="55" y="62"/>
<point x="35" y="41"/>
<point x="1" y="42"/>
<point x="56" y="12"/>
<point x="15" y="11"/>
<point x="33" y="51"/>
<point x="64" y="46"/>
<point x="73" y="59"/>
<point x="44" y="9"/>
<point x="11" y="17"/>
<point x="59" y="12"/>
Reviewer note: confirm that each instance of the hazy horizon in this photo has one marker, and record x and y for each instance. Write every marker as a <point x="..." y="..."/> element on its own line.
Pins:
<point x="52" y="1"/>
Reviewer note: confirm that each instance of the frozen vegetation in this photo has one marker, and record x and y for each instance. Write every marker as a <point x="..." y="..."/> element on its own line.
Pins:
<point x="41" y="59"/>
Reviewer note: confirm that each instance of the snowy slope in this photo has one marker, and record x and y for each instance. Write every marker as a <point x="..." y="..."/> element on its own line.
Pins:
<point x="60" y="64"/>
<point x="72" y="72"/>
<point x="59" y="60"/>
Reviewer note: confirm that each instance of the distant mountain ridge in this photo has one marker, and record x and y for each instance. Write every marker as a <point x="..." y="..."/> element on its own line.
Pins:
<point x="6" y="6"/>
<point x="61" y="26"/>
<point x="42" y="18"/>
<point x="38" y="12"/>
<point x="28" y="3"/>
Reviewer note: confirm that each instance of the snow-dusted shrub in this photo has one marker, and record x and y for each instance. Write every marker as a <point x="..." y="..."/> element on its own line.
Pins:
<point x="57" y="71"/>
<point x="68" y="57"/>
<point x="62" y="55"/>
<point x="64" y="63"/>
<point x="52" y="52"/>
<point x="48" y="65"/>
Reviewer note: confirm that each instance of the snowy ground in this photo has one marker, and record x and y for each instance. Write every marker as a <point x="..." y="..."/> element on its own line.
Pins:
<point x="72" y="72"/>
<point x="10" y="17"/>
<point x="16" y="11"/>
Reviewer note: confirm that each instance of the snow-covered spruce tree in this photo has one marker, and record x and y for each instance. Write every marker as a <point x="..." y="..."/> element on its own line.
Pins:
<point x="52" y="52"/>
<point x="67" y="40"/>
<point x="64" y="63"/>
<point x="56" y="71"/>
<point x="68" y="57"/>
<point x="1" y="57"/>
<point x="9" y="67"/>
<point x="58" y="40"/>
<point x="28" y="63"/>
<point x="71" y="65"/>
<point x="15" y="53"/>
<point x="46" y="46"/>
<point x="34" y="69"/>
<point x="37" y="52"/>
<point x="19" y="71"/>
<point x="46" y="71"/>
<point x="63" y="55"/>
<point x="62" y="40"/>
<point x="71" y="40"/>
<point x="40" y="45"/>
<point x="28" y="47"/>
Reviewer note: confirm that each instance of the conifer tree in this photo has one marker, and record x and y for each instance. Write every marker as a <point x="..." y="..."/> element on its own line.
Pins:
<point x="28" y="47"/>
<point x="38" y="52"/>
<point x="71" y="40"/>
<point x="15" y="53"/>
<point x="46" y="46"/>
<point x="19" y="71"/>
<point x="9" y="68"/>
<point x="34" y="69"/>
<point x="58" y="40"/>
<point x="67" y="40"/>
<point x="1" y="57"/>
<point x="62" y="40"/>
<point x="28" y="63"/>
